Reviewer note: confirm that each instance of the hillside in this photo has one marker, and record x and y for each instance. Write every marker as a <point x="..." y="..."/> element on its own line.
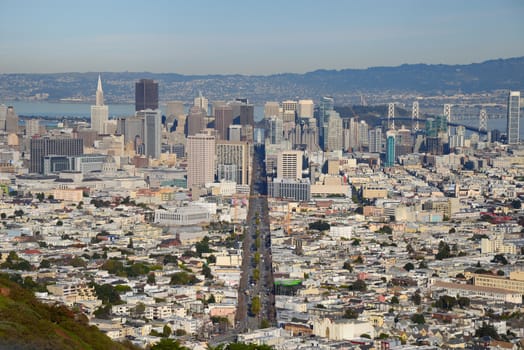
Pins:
<point x="422" y="79"/>
<point x="25" y="323"/>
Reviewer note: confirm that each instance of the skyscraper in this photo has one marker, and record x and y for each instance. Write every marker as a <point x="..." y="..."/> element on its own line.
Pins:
<point x="152" y="120"/>
<point x="513" y="127"/>
<point x="375" y="140"/>
<point x="32" y="127"/>
<point x="196" y="121"/>
<point x="202" y="102"/>
<point x="333" y="140"/>
<point x="223" y="119"/>
<point x="289" y="165"/>
<point x="390" y="148"/>
<point x="42" y="147"/>
<point x="271" y="109"/>
<point x="200" y="159"/>
<point x="11" y="120"/>
<point x="233" y="161"/>
<point x="146" y="95"/>
<point x="326" y="104"/>
<point x="306" y="109"/>
<point x="275" y="130"/>
<point x="3" y="116"/>
<point x="99" y="112"/>
<point x="247" y="114"/>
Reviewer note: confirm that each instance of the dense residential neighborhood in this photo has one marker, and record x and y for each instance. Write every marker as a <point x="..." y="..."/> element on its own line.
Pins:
<point x="303" y="230"/>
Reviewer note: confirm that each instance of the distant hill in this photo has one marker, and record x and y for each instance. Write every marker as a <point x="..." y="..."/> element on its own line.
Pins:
<point x="27" y="324"/>
<point x="423" y="79"/>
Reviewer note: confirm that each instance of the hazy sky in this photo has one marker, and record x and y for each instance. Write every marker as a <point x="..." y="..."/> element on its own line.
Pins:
<point x="253" y="36"/>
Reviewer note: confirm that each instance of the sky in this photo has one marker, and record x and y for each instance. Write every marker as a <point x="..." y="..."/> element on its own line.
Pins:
<point x="254" y="37"/>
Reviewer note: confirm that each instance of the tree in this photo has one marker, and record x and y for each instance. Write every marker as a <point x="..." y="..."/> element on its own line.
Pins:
<point x="45" y="264"/>
<point x="166" y="331"/>
<point x="206" y="271"/>
<point x="386" y="230"/>
<point x="444" y="251"/>
<point x="358" y="285"/>
<point x="418" y="319"/>
<point x="463" y="302"/>
<point x="151" y="278"/>
<point x="183" y="278"/>
<point x="203" y="246"/>
<point x="107" y="293"/>
<point x="423" y="265"/>
<point x="211" y="299"/>
<point x="359" y="260"/>
<point x="500" y="259"/>
<point x="255" y="305"/>
<point x="516" y="204"/>
<point x="416" y="298"/>
<point x="351" y="313"/>
<point x="319" y="225"/>
<point x="113" y="266"/>
<point x="40" y="196"/>
<point x="394" y="300"/>
<point x="131" y="245"/>
<point x="168" y="344"/>
<point x="347" y="266"/>
<point x="446" y="302"/>
<point x="487" y="330"/>
<point x="138" y="310"/>
<point x="409" y="266"/>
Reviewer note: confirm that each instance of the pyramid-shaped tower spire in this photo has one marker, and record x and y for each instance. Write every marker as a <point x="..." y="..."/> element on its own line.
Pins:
<point x="99" y="93"/>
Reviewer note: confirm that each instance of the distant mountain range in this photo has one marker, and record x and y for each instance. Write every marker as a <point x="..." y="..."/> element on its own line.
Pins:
<point x="345" y="85"/>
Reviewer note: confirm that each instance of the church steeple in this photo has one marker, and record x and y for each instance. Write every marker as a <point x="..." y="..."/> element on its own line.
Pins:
<point x="99" y="93"/>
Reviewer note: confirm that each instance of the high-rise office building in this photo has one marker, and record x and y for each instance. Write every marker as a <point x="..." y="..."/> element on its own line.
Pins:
<point x="200" y="159"/>
<point x="326" y="104"/>
<point x="152" y="121"/>
<point x="390" y="148"/>
<point x="247" y="114"/>
<point x="271" y="109"/>
<point x="513" y="127"/>
<point x="275" y="130"/>
<point x="289" y="165"/>
<point x="363" y="134"/>
<point x="99" y="112"/>
<point x="201" y="102"/>
<point x="42" y="147"/>
<point x="235" y="133"/>
<point x="32" y="127"/>
<point x="196" y="121"/>
<point x="3" y="116"/>
<point x="233" y="161"/>
<point x="404" y="142"/>
<point x="223" y="119"/>
<point x="375" y="140"/>
<point x="146" y="95"/>
<point x="11" y="120"/>
<point x="174" y="109"/>
<point x="333" y="140"/>
<point x="133" y="130"/>
<point x="305" y="109"/>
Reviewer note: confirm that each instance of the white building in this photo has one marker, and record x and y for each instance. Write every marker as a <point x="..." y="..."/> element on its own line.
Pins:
<point x="99" y="112"/>
<point x="182" y="216"/>
<point x="342" y="329"/>
<point x="306" y="109"/>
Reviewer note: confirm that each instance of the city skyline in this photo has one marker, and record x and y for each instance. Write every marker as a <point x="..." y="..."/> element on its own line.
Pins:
<point x="257" y="38"/>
